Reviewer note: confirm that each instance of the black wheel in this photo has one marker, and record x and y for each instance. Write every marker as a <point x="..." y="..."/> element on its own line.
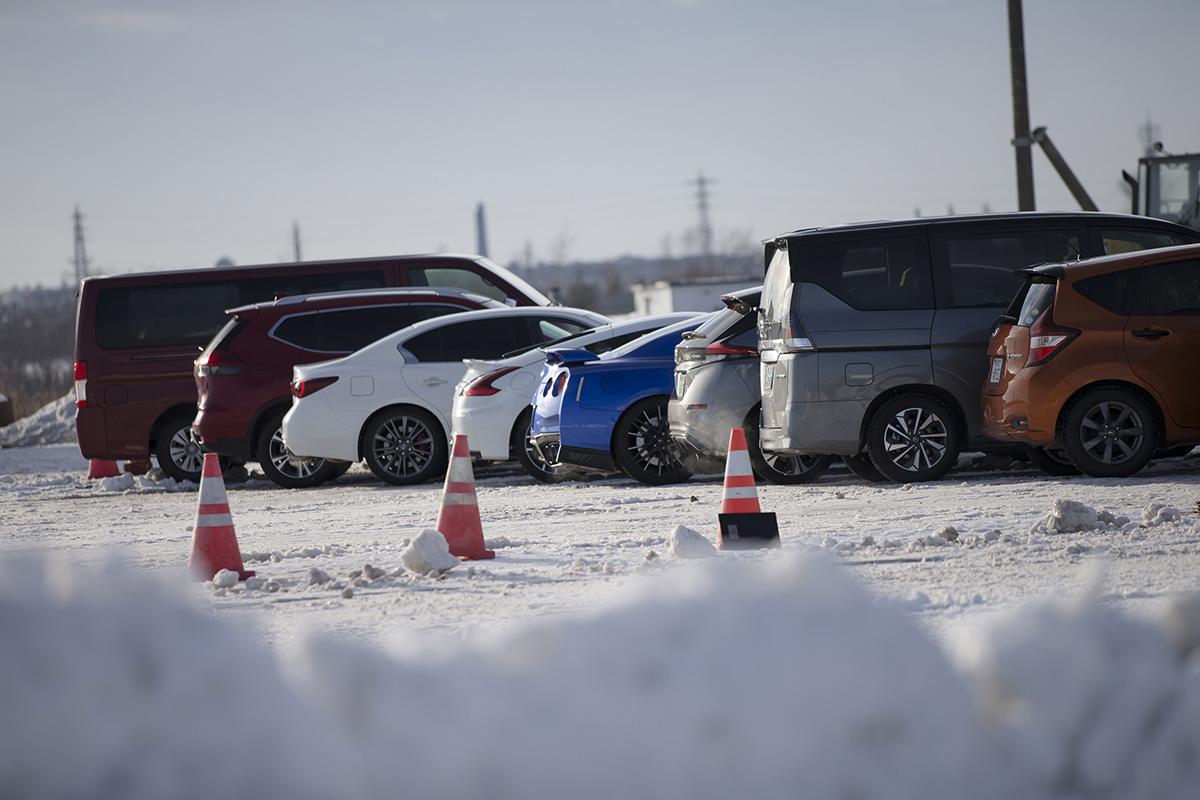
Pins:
<point x="861" y="466"/>
<point x="178" y="453"/>
<point x="521" y="446"/>
<point x="1051" y="461"/>
<point x="913" y="437"/>
<point x="281" y="466"/>
<point x="404" y="445"/>
<point x="1110" y="433"/>
<point x="781" y="469"/>
<point x="643" y="447"/>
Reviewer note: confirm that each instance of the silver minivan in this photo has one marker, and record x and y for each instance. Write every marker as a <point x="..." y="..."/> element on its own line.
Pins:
<point x="872" y="337"/>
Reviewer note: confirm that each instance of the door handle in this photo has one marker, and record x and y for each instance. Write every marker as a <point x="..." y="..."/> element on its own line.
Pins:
<point x="432" y="381"/>
<point x="1151" y="333"/>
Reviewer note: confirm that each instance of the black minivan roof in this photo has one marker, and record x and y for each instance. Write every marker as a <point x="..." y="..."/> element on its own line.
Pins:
<point x="1012" y="216"/>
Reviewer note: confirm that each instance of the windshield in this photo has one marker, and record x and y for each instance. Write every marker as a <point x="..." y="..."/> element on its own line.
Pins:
<point x="651" y="343"/>
<point x="517" y="282"/>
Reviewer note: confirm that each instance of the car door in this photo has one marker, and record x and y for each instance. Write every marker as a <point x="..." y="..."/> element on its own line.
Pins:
<point x="434" y="359"/>
<point x="1162" y="336"/>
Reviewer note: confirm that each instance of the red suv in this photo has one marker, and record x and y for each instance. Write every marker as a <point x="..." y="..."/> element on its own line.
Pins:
<point x="243" y="376"/>
<point x="136" y="337"/>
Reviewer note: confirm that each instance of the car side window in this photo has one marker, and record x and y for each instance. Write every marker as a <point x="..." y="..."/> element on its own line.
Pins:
<point x="260" y="290"/>
<point x="456" y="278"/>
<point x="876" y="275"/>
<point x="1117" y="240"/>
<point x="984" y="267"/>
<point x="301" y="330"/>
<point x="170" y="315"/>
<point x="1112" y="291"/>
<point x="1169" y="289"/>
<point x="479" y="338"/>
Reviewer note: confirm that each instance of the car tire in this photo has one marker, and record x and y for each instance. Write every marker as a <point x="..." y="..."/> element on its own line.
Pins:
<point x="527" y="455"/>
<point x="404" y="445"/>
<point x="283" y="468"/>
<point x="643" y="447"/>
<point x="913" y="438"/>
<point x="780" y="469"/>
<point x="1110" y="432"/>
<point x="861" y="466"/>
<point x="178" y="453"/>
<point x="1051" y="461"/>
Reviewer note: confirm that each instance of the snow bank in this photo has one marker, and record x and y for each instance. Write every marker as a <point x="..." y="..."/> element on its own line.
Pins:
<point x="727" y="679"/>
<point x="53" y="423"/>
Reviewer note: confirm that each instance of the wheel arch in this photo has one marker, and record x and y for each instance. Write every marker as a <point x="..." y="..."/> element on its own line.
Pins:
<point x="156" y="426"/>
<point x="261" y="416"/>
<point x="1160" y="421"/>
<point x="936" y="392"/>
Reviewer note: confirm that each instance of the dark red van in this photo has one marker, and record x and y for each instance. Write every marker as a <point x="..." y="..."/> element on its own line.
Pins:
<point x="243" y="377"/>
<point x="136" y="336"/>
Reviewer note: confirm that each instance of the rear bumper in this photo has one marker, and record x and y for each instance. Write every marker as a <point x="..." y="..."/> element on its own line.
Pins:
<point x="314" y="430"/>
<point x="487" y="426"/>
<point x="831" y="427"/>
<point x="223" y="431"/>
<point x="1008" y="421"/>
<point x="89" y="430"/>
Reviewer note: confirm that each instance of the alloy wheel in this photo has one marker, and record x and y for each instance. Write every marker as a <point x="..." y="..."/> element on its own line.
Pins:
<point x="1111" y="432"/>
<point x="287" y="462"/>
<point x="791" y="465"/>
<point x="403" y="445"/>
<point x="185" y="451"/>
<point x="915" y="439"/>
<point x="649" y="442"/>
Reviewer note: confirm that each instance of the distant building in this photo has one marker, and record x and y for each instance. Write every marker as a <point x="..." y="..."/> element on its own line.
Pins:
<point x="696" y="294"/>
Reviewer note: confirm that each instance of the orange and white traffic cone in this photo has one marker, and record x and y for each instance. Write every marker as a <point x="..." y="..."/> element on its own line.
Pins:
<point x="459" y="519"/>
<point x="741" y="521"/>
<point x="102" y="468"/>
<point x="214" y="543"/>
<point x="740" y="496"/>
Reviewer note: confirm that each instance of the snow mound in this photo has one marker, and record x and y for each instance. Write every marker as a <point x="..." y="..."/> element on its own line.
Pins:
<point x="1070" y="516"/>
<point x="428" y="553"/>
<point x="1160" y="514"/>
<point x="116" y="484"/>
<point x="53" y="423"/>
<point x="725" y="679"/>
<point x="683" y="542"/>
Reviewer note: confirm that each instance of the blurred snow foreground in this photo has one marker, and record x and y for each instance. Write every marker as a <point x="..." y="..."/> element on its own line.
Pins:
<point x="716" y="680"/>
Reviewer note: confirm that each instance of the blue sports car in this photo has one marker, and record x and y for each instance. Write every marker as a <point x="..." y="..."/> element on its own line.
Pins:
<point x="609" y="412"/>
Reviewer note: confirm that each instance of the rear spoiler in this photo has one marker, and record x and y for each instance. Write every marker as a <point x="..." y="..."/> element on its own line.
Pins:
<point x="570" y="356"/>
<point x="1055" y="271"/>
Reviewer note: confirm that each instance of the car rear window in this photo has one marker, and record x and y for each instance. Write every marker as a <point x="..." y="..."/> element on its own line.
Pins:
<point x="1038" y="298"/>
<point x="1112" y="291"/>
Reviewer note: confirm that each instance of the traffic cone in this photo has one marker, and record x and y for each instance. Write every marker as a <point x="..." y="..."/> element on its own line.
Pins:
<point x="102" y="468"/>
<point x="741" y="522"/>
<point x="214" y="543"/>
<point x="740" y="496"/>
<point x="459" y="519"/>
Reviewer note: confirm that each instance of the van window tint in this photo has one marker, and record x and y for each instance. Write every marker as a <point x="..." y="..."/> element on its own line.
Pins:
<point x="1113" y="291"/>
<point x="170" y="315"/>
<point x="984" y="267"/>
<point x="1168" y="289"/>
<point x="188" y="314"/>
<point x="479" y="338"/>
<point x="456" y="278"/>
<point x="879" y="275"/>
<point x="1116" y="240"/>
<point x="351" y="329"/>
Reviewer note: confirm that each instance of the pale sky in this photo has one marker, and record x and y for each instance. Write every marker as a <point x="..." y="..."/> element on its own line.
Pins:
<point x="188" y="131"/>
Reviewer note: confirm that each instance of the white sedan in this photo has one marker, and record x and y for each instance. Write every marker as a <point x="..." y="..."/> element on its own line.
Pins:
<point x="492" y="401"/>
<point x="390" y="402"/>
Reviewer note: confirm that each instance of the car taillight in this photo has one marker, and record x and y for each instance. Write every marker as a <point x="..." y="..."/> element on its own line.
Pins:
<point x="721" y="349"/>
<point x="482" y="386"/>
<point x="305" y="388"/>
<point x="81" y="384"/>
<point x="559" y="383"/>
<point x="218" y="363"/>
<point x="1046" y="339"/>
<point x="796" y="339"/>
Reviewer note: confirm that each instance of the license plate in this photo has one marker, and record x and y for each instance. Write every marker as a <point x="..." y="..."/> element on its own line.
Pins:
<point x="997" y="369"/>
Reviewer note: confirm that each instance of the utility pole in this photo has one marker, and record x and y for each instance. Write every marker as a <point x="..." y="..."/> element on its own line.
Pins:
<point x="82" y="263"/>
<point x="296" y="241"/>
<point x="705" y="227"/>
<point x="480" y="231"/>
<point x="1020" y="93"/>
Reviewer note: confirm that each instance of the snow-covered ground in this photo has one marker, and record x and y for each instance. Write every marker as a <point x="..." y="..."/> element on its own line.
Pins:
<point x="592" y="657"/>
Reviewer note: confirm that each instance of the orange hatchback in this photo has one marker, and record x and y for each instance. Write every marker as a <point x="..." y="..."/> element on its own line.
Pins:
<point x="1096" y="366"/>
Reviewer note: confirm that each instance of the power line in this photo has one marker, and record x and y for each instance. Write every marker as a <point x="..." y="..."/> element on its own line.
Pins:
<point x="704" y="229"/>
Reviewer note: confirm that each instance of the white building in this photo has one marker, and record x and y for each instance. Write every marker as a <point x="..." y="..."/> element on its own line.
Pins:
<point x="698" y="294"/>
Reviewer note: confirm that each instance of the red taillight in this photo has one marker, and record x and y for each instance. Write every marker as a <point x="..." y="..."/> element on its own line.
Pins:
<point x="219" y="363"/>
<point x="1046" y="339"/>
<point x="305" y="388"/>
<point x="81" y="384"/>
<point x="722" y="349"/>
<point x="560" y="383"/>
<point x="482" y="386"/>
